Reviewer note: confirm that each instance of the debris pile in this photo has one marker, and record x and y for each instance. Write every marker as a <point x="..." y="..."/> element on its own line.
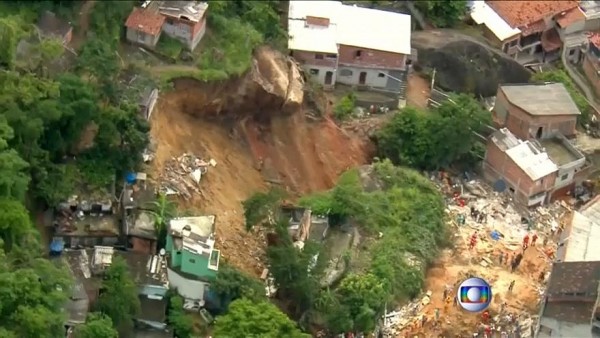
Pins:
<point x="181" y="176"/>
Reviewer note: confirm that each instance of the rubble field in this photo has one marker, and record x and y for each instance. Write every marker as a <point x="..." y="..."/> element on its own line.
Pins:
<point x="501" y="233"/>
<point x="257" y="134"/>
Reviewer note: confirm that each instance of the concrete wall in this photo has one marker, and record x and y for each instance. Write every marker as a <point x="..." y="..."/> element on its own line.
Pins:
<point x="372" y="76"/>
<point x="140" y="38"/>
<point x="525" y="126"/>
<point x="186" y="288"/>
<point x="188" y="32"/>
<point x="321" y="72"/>
<point x="153" y="290"/>
<point x="590" y="69"/>
<point x="370" y="58"/>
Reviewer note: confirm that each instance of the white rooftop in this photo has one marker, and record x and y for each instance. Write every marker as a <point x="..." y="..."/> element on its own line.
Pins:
<point x="314" y="39"/>
<point x="581" y="243"/>
<point x="354" y="26"/>
<point x="196" y="233"/>
<point x="481" y="13"/>
<point x="534" y="162"/>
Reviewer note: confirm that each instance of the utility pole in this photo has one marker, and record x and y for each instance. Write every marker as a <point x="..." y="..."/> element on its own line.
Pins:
<point x="432" y="78"/>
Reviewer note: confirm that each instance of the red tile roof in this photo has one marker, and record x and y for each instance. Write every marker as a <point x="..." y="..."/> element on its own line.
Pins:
<point x="570" y="17"/>
<point x="535" y="27"/>
<point x="521" y="13"/>
<point x="594" y="38"/>
<point x="145" y="21"/>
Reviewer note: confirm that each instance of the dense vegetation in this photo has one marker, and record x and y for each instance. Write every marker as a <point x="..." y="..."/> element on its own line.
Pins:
<point x="437" y="138"/>
<point x="443" y="13"/>
<point x="408" y="211"/>
<point x="561" y="76"/>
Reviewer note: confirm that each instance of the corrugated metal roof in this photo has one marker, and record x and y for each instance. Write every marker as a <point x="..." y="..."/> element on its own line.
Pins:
<point x="481" y="13"/>
<point x="583" y="237"/>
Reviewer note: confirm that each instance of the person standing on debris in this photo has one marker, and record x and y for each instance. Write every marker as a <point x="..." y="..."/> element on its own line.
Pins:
<point x="437" y="314"/>
<point x="445" y="293"/>
<point x="423" y="320"/>
<point x="473" y="241"/>
<point x="500" y="257"/>
<point x="506" y="258"/>
<point x="533" y="239"/>
<point x="488" y="331"/>
<point x="511" y="286"/>
<point x="542" y="276"/>
<point x="485" y="316"/>
<point x="525" y="242"/>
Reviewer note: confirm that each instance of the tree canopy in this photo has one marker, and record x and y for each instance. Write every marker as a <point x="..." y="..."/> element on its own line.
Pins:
<point x="443" y="13"/>
<point x="247" y="318"/>
<point x="119" y="295"/>
<point x="96" y="325"/>
<point x="436" y="138"/>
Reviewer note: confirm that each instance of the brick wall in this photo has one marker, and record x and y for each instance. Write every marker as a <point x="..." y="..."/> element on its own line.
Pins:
<point x="514" y="175"/>
<point x="197" y="27"/>
<point x="370" y="58"/>
<point x="525" y="126"/>
<point x="309" y="58"/>
<point x="590" y="70"/>
<point x="317" y="21"/>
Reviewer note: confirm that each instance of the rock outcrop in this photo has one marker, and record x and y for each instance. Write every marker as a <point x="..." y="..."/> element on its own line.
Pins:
<point x="273" y="85"/>
<point x="464" y="64"/>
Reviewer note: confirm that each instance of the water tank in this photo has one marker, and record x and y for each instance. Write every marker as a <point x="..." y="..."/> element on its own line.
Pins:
<point x="130" y="178"/>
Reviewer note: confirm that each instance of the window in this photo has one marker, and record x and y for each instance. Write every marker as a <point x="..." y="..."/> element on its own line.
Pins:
<point x="358" y="53"/>
<point x="380" y="75"/>
<point x="319" y="56"/>
<point x="345" y="72"/>
<point x="170" y="21"/>
<point x="572" y="52"/>
<point x="331" y="56"/>
<point x="192" y="260"/>
<point x="564" y="177"/>
<point x="314" y="71"/>
<point x="513" y="43"/>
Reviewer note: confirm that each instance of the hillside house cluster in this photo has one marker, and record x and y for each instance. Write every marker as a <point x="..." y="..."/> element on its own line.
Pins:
<point x="182" y="20"/>
<point x="570" y="304"/>
<point x="94" y="226"/>
<point x="532" y="31"/>
<point x="531" y="154"/>
<point x="337" y="43"/>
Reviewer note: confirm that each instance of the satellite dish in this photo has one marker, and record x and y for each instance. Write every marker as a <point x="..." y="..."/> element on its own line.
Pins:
<point x="162" y="252"/>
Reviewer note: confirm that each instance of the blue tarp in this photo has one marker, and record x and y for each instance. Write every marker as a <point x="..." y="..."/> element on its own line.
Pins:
<point x="495" y="235"/>
<point x="57" y="245"/>
<point x="130" y="178"/>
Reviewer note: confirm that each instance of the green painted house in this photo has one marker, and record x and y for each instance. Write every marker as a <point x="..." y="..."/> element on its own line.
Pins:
<point x="192" y="259"/>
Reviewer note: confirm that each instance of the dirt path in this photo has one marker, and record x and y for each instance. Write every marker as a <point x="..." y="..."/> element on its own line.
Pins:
<point x="83" y="24"/>
<point x="418" y="91"/>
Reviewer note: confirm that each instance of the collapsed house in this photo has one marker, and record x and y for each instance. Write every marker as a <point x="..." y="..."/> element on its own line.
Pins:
<point x="137" y="216"/>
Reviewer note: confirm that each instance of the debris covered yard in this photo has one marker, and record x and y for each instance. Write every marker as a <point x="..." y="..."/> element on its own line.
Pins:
<point x="501" y="234"/>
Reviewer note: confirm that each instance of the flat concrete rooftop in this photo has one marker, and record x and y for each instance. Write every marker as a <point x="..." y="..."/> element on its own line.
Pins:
<point x="559" y="152"/>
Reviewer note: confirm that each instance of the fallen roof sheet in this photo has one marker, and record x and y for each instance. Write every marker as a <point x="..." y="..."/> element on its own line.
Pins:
<point x="481" y="13"/>
<point x="541" y="99"/>
<point x="358" y="26"/>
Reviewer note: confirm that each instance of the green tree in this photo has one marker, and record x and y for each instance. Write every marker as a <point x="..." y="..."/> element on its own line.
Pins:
<point x="13" y="178"/>
<point x="14" y="222"/>
<point x="182" y="323"/>
<point x="560" y="76"/>
<point x="247" y="318"/>
<point x="443" y="13"/>
<point x="232" y="284"/>
<point x="261" y="206"/>
<point x="364" y="297"/>
<point x="163" y="210"/>
<point x="344" y="108"/>
<point x="10" y="33"/>
<point x="430" y="140"/>
<point x="96" y="325"/>
<point x="119" y="295"/>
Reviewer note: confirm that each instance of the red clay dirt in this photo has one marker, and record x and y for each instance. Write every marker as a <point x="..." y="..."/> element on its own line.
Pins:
<point x="252" y="147"/>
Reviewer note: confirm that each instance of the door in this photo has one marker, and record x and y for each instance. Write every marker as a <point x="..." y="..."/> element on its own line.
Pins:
<point x="539" y="133"/>
<point x="362" y="78"/>
<point x="328" y="78"/>
<point x="141" y="37"/>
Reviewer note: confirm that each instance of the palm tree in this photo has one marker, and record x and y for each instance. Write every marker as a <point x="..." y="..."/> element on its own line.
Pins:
<point x="163" y="210"/>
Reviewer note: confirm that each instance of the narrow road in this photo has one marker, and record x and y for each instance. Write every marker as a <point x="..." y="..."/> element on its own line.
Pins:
<point x="83" y="24"/>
